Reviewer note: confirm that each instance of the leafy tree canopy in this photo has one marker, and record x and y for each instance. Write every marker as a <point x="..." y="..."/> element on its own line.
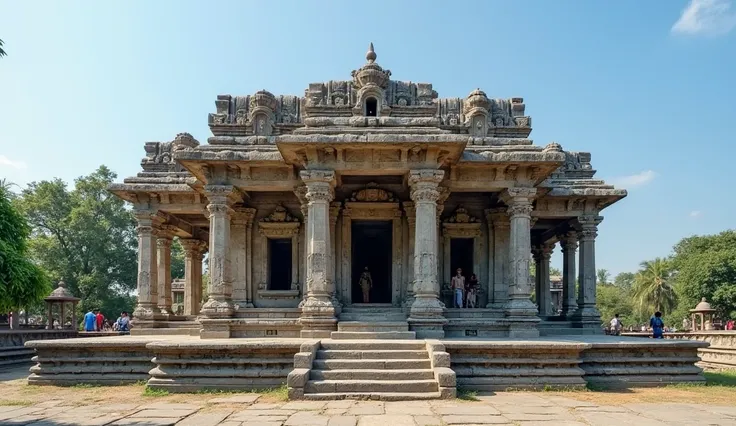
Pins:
<point x="706" y="267"/>
<point x="22" y="283"/>
<point x="86" y="237"/>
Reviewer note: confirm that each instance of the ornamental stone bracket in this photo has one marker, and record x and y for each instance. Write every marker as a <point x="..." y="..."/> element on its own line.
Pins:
<point x="280" y="224"/>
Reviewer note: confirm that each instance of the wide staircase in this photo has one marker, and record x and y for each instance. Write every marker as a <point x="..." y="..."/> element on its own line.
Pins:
<point x="372" y="321"/>
<point x="378" y="369"/>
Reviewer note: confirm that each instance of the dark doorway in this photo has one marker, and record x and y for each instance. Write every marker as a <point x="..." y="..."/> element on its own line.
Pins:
<point x="371" y="107"/>
<point x="372" y="249"/>
<point x="279" y="269"/>
<point x="461" y="256"/>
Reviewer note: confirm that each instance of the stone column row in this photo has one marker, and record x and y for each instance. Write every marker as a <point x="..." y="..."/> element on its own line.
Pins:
<point x="542" y="254"/>
<point x="193" y="254"/>
<point x="587" y="314"/>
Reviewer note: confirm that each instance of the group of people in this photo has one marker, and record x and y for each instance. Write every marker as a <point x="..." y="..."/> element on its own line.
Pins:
<point x="95" y="321"/>
<point x="465" y="292"/>
<point x="656" y="325"/>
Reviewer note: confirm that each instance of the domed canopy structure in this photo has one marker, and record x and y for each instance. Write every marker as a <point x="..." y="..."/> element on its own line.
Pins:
<point x="705" y="312"/>
<point x="60" y="297"/>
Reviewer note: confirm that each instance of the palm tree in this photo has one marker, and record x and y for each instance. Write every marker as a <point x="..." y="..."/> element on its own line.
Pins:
<point x="603" y="276"/>
<point x="2" y="52"/>
<point x="652" y="288"/>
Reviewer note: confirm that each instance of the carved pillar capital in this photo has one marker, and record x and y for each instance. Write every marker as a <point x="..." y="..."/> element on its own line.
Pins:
<point x="588" y="226"/>
<point x="225" y="195"/>
<point x="243" y="216"/>
<point x="193" y="247"/>
<point x="424" y="185"/>
<point x="547" y="249"/>
<point x="568" y="241"/>
<point x="320" y="185"/>
<point x="498" y="217"/>
<point x="335" y="207"/>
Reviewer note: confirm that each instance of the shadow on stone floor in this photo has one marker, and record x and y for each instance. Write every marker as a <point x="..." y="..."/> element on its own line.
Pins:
<point x="14" y="373"/>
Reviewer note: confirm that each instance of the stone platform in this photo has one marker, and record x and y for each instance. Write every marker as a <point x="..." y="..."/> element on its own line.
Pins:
<point x="720" y="355"/>
<point x="391" y="369"/>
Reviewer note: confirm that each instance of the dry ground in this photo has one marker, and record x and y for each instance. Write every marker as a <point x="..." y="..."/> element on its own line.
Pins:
<point x="720" y="389"/>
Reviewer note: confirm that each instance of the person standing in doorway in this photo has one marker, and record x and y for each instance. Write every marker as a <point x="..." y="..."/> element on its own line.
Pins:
<point x="366" y="283"/>
<point x="458" y="286"/>
<point x="471" y="292"/>
<point x="657" y="325"/>
<point x="90" y="321"/>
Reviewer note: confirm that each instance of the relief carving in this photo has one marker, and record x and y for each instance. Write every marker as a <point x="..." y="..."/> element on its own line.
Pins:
<point x="461" y="216"/>
<point x="372" y="193"/>
<point x="280" y="214"/>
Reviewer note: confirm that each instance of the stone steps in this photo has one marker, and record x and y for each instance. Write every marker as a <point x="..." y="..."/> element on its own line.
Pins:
<point x="376" y="396"/>
<point x="371" y="374"/>
<point x="373" y="326"/>
<point x="371" y="354"/>
<point x="356" y="364"/>
<point x="371" y="369"/>
<point x="379" y="335"/>
<point x="369" y="386"/>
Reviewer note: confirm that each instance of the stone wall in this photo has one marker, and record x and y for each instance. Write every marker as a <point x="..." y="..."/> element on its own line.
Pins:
<point x="12" y="349"/>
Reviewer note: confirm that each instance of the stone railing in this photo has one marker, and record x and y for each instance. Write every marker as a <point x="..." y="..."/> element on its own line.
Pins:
<point x="12" y="349"/>
<point x="303" y="360"/>
<point x="443" y="374"/>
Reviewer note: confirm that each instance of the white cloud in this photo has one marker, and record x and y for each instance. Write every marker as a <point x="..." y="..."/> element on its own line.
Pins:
<point x="632" y="181"/>
<point x="695" y="213"/>
<point x="706" y="17"/>
<point x="5" y="161"/>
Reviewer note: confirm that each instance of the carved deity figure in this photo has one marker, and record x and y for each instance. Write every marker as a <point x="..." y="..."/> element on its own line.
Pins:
<point x="366" y="283"/>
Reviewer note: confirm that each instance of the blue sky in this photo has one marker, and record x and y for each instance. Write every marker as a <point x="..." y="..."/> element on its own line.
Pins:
<point x="647" y="86"/>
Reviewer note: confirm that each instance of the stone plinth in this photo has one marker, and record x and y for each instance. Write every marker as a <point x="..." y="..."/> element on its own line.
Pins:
<point x="100" y="361"/>
<point x="625" y="362"/>
<point x="222" y="364"/>
<point x="721" y="354"/>
<point x="495" y="365"/>
<point x="13" y="351"/>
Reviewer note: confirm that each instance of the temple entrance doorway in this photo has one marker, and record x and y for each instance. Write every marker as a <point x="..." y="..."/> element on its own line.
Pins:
<point x="372" y="249"/>
<point x="461" y="256"/>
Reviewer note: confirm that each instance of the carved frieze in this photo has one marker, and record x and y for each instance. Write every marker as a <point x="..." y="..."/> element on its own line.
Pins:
<point x="461" y="216"/>
<point x="372" y="193"/>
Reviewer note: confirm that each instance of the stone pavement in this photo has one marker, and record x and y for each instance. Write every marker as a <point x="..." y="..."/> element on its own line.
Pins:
<point x="496" y="409"/>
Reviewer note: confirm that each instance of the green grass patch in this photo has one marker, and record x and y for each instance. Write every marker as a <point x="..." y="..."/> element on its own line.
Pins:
<point x="151" y="392"/>
<point x="280" y="393"/>
<point x="15" y="402"/>
<point x="725" y="378"/>
<point x="467" y="395"/>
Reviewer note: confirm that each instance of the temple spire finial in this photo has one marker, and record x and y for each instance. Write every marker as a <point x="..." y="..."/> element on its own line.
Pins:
<point x="371" y="55"/>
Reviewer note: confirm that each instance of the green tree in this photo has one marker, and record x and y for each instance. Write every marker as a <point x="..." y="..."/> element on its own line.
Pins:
<point x="653" y="289"/>
<point x="85" y="236"/>
<point x="177" y="260"/>
<point x="2" y="52"/>
<point x="706" y="267"/>
<point x="603" y="276"/>
<point x="555" y="271"/>
<point x="22" y="283"/>
<point x="624" y="280"/>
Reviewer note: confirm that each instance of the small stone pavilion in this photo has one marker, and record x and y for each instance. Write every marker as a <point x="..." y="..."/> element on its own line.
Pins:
<point x="294" y="197"/>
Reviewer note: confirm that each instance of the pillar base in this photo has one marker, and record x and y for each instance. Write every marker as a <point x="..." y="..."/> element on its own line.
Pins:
<point x="520" y="308"/>
<point x="426" y="318"/>
<point x="214" y="308"/>
<point x="587" y="317"/>
<point x="569" y="313"/>
<point x="318" y="317"/>
<point x="146" y="312"/>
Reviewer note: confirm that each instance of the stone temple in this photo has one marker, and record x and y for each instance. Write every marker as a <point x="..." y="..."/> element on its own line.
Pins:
<point x="293" y="198"/>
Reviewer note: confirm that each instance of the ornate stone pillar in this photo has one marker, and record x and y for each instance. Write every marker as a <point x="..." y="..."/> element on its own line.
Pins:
<point x="193" y="253"/>
<point x="519" y="307"/>
<point x="318" y="310"/>
<point x="425" y="315"/>
<point x="411" y="221"/>
<point x="587" y="315"/>
<point x="301" y="194"/>
<point x="498" y="294"/>
<point x="165" y="237"/>
<point x="545" y="292"/>
<point x="537" y="257"/>
<point x="334" y="213"/>
<point x="242" y="220"/>
<point x="219" y="304"/>
<point x="569" y="243"/>
<point x="147" y="307"/>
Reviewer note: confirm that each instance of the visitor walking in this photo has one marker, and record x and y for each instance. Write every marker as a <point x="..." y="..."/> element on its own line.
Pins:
<point x="616" y="326"/>
<point x="458" y="286"/>
<point x="657" y="325"/>
<point x="90" y="321"/>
